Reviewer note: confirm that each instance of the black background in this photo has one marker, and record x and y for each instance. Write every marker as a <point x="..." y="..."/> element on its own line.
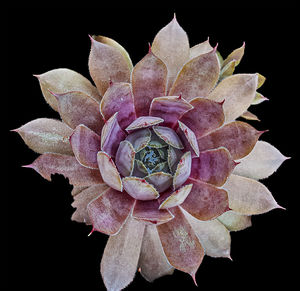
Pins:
<point x="45" y="248"/>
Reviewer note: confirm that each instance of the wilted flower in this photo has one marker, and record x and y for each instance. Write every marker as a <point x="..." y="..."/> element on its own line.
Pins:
<point x="155" y="154"/>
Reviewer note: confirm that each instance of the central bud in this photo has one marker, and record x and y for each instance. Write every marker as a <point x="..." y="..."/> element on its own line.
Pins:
<point x="154" y="156"/>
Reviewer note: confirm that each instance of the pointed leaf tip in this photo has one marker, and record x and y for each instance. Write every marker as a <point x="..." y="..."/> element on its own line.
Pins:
<point x="260" y="132"/>
<point x="215" y="48"/>
<point x="194" y="279"/>
<point x="221" y="102"/>
<point x="93" y="229"/>
<point x="262" y="162"/>
<point x="91" y="38"/>
<point x="265" y="98"/>
<point x="248" y="196"/>
<point x="30" y="166"/>
<point x="280" y="207"/>
<point x="149" y="48"/>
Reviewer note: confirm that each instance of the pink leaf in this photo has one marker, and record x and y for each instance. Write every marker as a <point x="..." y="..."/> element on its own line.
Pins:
<point x="149" y="78"/>
<point x="147" y="211"/>
<point x="118" y="98"/>
<point x="85" y="144"/>
<point x="213" y="166"/>
<point x="169" y="108"/>
<point x="50" y="163"/>
<point x="107" y="63"/>
<point x="206" y="116"/>
<point x="201" y="73"/>
<point x="109" y="211"/>
<point x="181" y="246"/>
<point x="79" y="108"/>
<point x="238" y="137"/>
<point x="109" y="171"/>
<point x="144" y="122"/>
<point x="139" y="188"/>
<point x="205" y="201"/>
<point x="125" y="158"/>
<point x="111" y="136"/>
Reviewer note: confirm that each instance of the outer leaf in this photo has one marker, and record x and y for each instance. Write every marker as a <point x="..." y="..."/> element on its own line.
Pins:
<point x="261" y="80"/>
<point x="118" y="98"/>
<point x="181" y="246"/>
<point x="109" y="211"/>
<point x="262" y="162"/>
<point x="82" y="199"/>
<point x="62" y="81"/>
<point x="227" y="70"/>
<point x="113" y="43"/>
<point x="236" y="56"/>
<point x="107" y="63"/>
<point x="149" y="78"/>
<point x="50" y="163"/>
<point x="201" y="74"/>
<point x="205" y="201"/>
<point x="200" y="49"/>
<point x="249" y="116"/>
<point x="235" y="221"/>
<point x="79" y="108"/>
<point x="259" y="98"/>
<point x="171" y="45"/>
<point x="46" y="135"/>
<point x="238" y="137"/>
<point x="77" y="189"/>
<point x="247" y="196"/>
<point x="152" y="261"/>
<point x="85" y="144"/>
<point x="213" y="166"/>
<point x="238" y="91"/>
<point x="121" y="255"/>
<point x="213" y="235"/>
<point x="206" y="116"/>
<point x="220" y="58"/>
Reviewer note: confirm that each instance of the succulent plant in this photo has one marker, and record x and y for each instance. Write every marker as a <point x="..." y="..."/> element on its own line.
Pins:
<point x="156" y="156"/>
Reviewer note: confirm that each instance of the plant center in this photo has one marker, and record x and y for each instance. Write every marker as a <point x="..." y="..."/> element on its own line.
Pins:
<point x="152" y="158"/>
